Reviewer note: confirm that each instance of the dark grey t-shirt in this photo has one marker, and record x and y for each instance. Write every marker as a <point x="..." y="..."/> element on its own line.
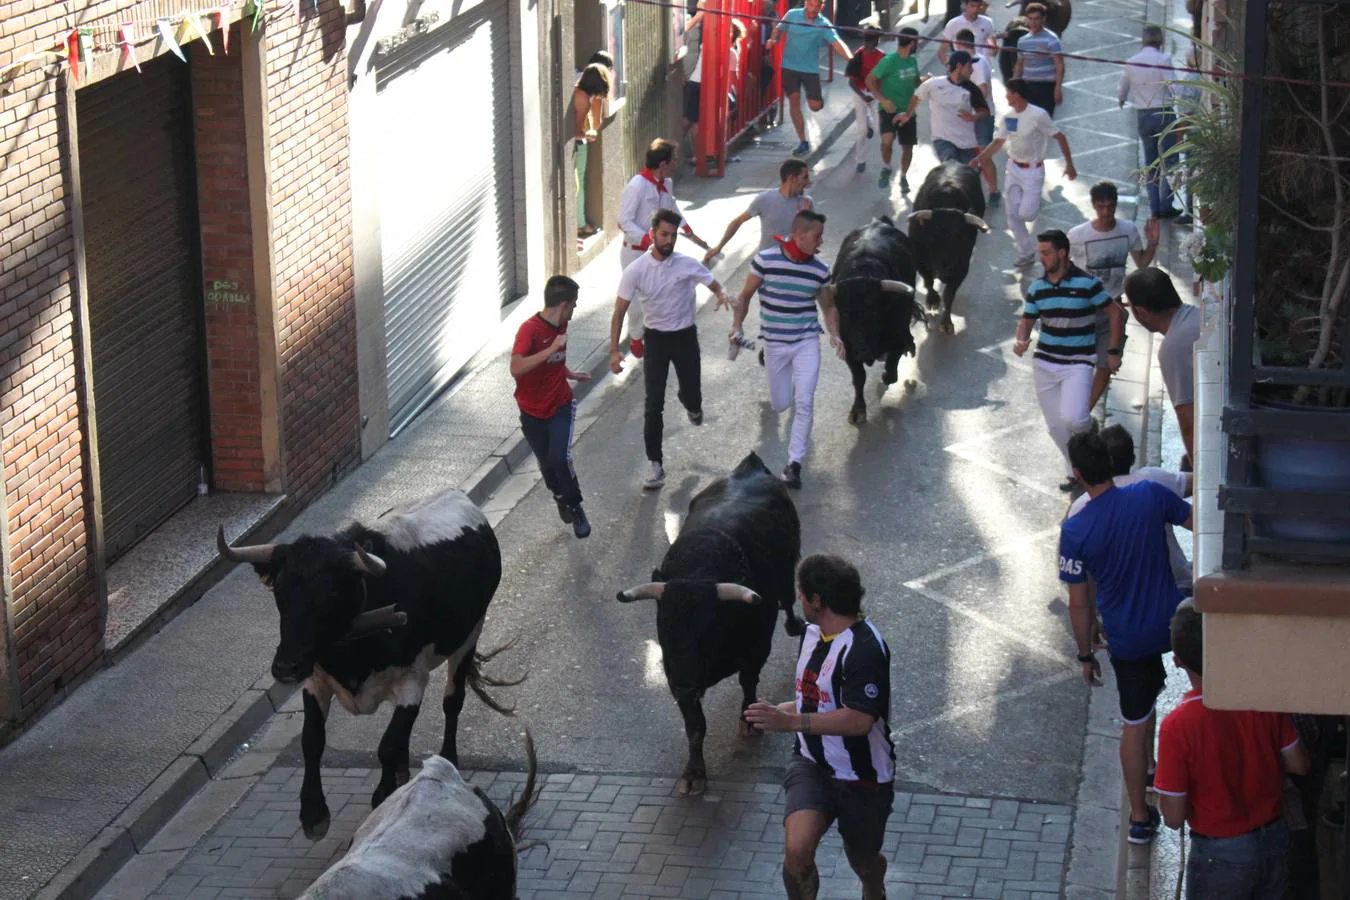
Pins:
<point x="1176" y="355"/>
<point x="776" y="213"/>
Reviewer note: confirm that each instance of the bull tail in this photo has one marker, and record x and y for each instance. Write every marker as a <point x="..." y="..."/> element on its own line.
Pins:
<point x="480" y="682"/>
<point x="521" y="805"/>
<point x="792" y="625"/>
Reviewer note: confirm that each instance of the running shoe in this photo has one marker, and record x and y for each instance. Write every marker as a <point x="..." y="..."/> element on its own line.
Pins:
<point x="995" y="199"/>
<point x="802" y="149"/>
<point x="884" y="181"/>
<point x="695" y="417"/>
<point x="580" y="526"/>
<point x="656" y="476"/>
<point x="1145" y="832"/>
<point x="904" y="185"/>
<point x="792" y="475"/>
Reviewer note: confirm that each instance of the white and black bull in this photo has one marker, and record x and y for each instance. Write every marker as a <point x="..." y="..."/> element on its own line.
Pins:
<point x="872" y="290"/>
<point x="948" y="214"/>
<point x="435" y="838"/>
<point x="368" y="614"/>
<point x="718" y="591"/>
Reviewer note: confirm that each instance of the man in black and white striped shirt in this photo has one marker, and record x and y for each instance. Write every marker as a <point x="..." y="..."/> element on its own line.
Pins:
<point x="843" y="767"/>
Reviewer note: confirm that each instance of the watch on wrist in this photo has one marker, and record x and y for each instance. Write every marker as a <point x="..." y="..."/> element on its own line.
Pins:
<point x="1087" y="657"/>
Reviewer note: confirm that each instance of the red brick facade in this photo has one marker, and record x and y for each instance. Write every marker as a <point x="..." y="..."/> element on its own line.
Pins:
<point x="51" y="610"/>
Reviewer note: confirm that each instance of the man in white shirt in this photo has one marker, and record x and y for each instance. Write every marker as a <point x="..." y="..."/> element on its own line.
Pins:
<point x="646" y="192"/>
<point x="956" y="105"/>
<point x="1147" y="84"/>
<point x="1102" y="247"/>
<point x="1026" y="129"/>
<point x="667" y="280"/>
<point x="982" y="76"/>
<point x="981" y="27"/>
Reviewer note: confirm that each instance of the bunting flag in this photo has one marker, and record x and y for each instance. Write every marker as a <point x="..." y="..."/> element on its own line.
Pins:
<point x="164" y="26"/>
<point x="254" y="8"/>
<point x="73" y="54"/>
<point x="224" y="27"/>
<point x="126" y="38"/>
<point x="195" y="21"/>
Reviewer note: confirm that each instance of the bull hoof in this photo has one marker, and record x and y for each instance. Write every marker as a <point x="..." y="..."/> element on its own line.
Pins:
<point x="691" y="785"/>
<point x="857" y="416"/>
<point x="315" y="831"/>
<point x="946" y="327"/>
<point x="934" y="301"/>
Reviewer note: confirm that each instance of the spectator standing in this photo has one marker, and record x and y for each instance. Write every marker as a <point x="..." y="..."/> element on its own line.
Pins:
<point x="893" y="82"/>
<point x="956" y="105"/>
<point x="843" y="763"/>
<point x="980" y="26"/>
<point x="982" y="76"/>
<point x="1102" y="247"/>
<point x="1117" y="539"/>
<point x="1025" y="128"/>
<point x="547" y="406"/>
<point x="1147" y="84"/>
<point x="789" y="278"/>
<point x="1158" y="307"/>
<point x="775" y="209"/>
<point x="588" y="104"/>
<point x="1040" y="61"/>
<point x="1222" y="771"/>
<point x="668" y="281"/>
<point x="806" y="31"/>
<point x="864" y="103"/>
<point x="1065" y="301"/>
<point x="646" y="192"/>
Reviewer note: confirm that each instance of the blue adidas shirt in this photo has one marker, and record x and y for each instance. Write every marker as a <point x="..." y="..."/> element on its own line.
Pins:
<point x="803" y="39"/>
<point x="1119" y="540"/>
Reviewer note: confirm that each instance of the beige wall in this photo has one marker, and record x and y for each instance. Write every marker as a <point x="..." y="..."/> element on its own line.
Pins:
<point x="1285" y="663"/>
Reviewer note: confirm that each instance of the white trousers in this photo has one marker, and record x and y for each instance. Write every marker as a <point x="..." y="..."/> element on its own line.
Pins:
<point x="794" y="370"/>
<point x="1064" y="392"/>
<point x="1022" y="203"/>
<point x="635" y="318"/>
<point x="865" y="115"/>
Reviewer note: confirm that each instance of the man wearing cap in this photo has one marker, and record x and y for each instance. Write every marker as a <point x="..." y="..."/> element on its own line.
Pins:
<point x="956" y="104"/>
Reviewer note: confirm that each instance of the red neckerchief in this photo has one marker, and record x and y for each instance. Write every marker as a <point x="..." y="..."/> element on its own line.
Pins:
<point x="792" y="251"/>
<point x="647" y="174"/>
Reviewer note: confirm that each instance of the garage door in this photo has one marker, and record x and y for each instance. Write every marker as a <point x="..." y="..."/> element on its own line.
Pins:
<point x="447" y="228"/>
<point x="137" y="179"/>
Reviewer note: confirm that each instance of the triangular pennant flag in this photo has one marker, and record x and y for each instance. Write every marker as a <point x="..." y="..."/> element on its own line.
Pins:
<point x="73" y="54"/>
<point x="196" y="22"/>
<point x="224" y="29"/>
<point x="127" y="39"/>
<point x="86" y="44"/>
<point x="165" y="28"/>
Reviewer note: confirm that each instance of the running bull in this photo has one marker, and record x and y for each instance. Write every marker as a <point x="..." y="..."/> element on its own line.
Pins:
<point x="367" y="614"/>
<point x="948" y="213"/>
<point x="718" y="592"/>
<point x="872" y="294"/>
<point x="435" y="837"/>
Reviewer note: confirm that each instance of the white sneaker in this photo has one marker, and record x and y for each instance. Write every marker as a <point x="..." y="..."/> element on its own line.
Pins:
<point x="656" y="477"/>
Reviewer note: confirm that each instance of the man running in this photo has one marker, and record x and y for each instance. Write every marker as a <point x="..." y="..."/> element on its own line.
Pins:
<point x="956" y="105"/>
<point x="982" y="76"/>
<point x="864" y="103"/>
<point x="806" y="32"/>
<point x="1040" y="61"/>
<point x="774" y="208"/>
<point x="893" y="82"/>
<point x="980" y="26"/>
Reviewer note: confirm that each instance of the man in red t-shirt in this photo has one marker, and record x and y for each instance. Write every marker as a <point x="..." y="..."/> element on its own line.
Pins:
<point x="864" y="104"/>
<point x="547" y="409"/>
<point x="1223" y="771"/>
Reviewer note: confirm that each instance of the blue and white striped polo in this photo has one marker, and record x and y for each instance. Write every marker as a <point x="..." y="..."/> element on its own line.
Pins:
<point x="787" y="296"/>
<point x="1068" y="313"/>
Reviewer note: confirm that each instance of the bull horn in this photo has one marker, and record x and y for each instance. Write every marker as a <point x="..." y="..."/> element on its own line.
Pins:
<point x="922" y="215"/>
<point x="728" y="591"/>
<point x="375" y="620"/>
<point x="898" y="287"/>
<point x="368" y="563"/>
<point x="652" y="590"/>
<point x="259" y="553"/>
<point x="979" y="223"/>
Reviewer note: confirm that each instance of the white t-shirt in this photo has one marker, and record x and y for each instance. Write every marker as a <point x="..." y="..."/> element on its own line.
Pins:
<point x="982" y="28"/>
<point x="946" y="101"/>
<point x="980" y="72"/>
<point x="667" y="288"/>
<point x="1105" y="253"/>
<point x="1028" y="133"/>
<point x="1177" y="483"/>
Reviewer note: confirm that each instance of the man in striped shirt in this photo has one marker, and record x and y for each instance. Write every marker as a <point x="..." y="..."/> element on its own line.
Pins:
<point x="843" y="765"/>
<point x="1066" y="302"/>
<point x="789" y="276"/>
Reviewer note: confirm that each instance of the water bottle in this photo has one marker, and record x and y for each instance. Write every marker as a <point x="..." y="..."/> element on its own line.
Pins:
<point x="739" y="340"/>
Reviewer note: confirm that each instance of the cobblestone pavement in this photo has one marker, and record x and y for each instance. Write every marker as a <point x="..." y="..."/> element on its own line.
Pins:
<point x="614" y="836"/>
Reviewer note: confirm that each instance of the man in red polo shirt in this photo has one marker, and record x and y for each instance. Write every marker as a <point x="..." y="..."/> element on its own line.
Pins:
<point x="1223" y="771"/>
<point x="547" y="408"/>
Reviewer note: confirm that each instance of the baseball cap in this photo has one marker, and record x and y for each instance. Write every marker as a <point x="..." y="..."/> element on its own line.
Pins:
<point x="957" y="58"/>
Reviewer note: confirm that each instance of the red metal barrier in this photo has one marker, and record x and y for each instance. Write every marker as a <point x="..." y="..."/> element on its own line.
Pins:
<point x="754" y="97"/>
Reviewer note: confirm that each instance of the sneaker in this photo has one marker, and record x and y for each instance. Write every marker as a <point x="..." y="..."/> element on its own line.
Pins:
<point x="580" y="527"/>
<point x="1024" y="261"/>
<point x="792" y="475"/>
<point x="885" y="180"/>
<point x="1069" y="484"/>
<point x="904" y="185"/>
<point x="802" y="149"/>
<point x="995" y="199"/>
<point x="1145" y="832"/>
<point x="656" y="477"/>
<point x="860" y="167"/>
<point x="637" y="348"/>
<point x="695" y="417"/>
<point x="564" y="510"/>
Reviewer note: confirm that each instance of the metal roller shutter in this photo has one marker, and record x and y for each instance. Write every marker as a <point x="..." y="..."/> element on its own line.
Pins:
<point x="447" y="221"/>
<point x="137" y="177"/>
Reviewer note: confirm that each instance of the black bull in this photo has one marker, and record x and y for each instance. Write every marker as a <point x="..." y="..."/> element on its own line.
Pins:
<point x="948" y="213"/>
<point x="718" y="591"/>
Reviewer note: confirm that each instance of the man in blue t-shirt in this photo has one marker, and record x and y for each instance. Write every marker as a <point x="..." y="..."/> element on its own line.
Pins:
<point x="1118" y="540"/>
<point x="805" y="31"/>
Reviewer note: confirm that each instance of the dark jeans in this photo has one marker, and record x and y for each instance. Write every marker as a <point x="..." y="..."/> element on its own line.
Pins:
<point x="663" y="349"/>
<point x="1042" y="94"/>
<point x="1251" y="866"/>
<point x="551" y="441"/>
<point x="1152" y="124"/>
